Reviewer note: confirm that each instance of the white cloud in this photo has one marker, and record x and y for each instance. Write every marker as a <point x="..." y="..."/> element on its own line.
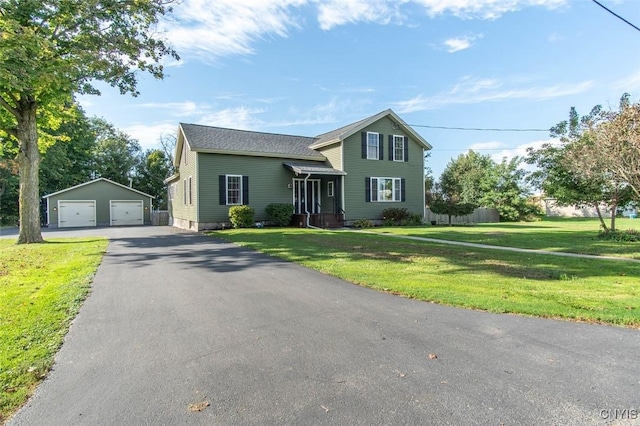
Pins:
<point x="483" y="146"/>
<point x="235" y="118"/>
<point x="179" y="109"/>
<point x="471" y="90"/>
<point x="629" y="83"/>
<point x="521" y="151"/>
<point x="149" y="134"/>
<point x="483" y="9"/>
<point x="460" y="43"/>
<point x="212" y="29"/>
<point x="209" y="30"/>
<point x="333" y="13"/>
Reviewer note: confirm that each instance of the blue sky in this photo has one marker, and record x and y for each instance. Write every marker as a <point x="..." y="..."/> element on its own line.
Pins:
<point x="305" y="67"/>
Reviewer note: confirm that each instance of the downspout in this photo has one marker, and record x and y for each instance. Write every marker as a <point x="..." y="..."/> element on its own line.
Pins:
<point x="306" y="207"/>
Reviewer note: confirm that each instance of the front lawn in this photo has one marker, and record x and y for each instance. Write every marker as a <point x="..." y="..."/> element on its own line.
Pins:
<point x="552" y="234"/>
<point x="42" y="287"/>
<point x="602" y="291"/>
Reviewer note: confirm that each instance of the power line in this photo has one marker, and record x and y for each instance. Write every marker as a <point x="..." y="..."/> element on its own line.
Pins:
<point x="615" y="14"/>
<point x="479" y="129"/>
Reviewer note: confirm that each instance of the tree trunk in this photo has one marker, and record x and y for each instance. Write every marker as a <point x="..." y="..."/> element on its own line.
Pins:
<point x="602" y="224"/>
<point x="614" y="208"/>
<point x="29" y="166"/>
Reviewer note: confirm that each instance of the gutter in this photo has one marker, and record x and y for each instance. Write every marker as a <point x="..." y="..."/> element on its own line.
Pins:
<point x="306" y="207"/>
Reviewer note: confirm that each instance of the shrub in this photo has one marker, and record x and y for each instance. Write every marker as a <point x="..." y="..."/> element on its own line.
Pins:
<point x="362" y="223"/>
<point x="241" y="216"/>
<point x="279" y="213"/>
<point x="628" y="236"/>
<point x="394" y="215"/>
<point x="414" y="219"/>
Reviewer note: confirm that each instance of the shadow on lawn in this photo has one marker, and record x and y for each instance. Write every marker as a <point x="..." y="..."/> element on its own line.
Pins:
<point x="358" y="247"/>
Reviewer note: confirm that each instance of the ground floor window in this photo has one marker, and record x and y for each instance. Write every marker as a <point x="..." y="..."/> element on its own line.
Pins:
<point x="385" y="189"/>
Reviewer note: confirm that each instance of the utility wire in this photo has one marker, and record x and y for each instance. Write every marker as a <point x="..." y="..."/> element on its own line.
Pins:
<point x="614" y="14"/>
<point x="479" y="129"/>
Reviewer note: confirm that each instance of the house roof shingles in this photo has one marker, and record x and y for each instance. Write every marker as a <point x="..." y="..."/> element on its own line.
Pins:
<point x="206" y="138"/>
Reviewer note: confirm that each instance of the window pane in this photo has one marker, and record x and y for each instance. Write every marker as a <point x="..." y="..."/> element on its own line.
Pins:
<point x="397" y="192"/>
<point x="234" y="189"/>
<point x="372" y="146"/>
<point x="398" y="148"/>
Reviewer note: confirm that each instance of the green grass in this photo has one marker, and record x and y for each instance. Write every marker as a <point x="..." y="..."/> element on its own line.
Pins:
<point x="592" y="290"/>
<point x="557" y="234"/>
<point x="42" y="287"/>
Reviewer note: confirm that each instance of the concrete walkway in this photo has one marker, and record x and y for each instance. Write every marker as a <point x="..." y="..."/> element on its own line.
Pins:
<point x="512" y="249"/>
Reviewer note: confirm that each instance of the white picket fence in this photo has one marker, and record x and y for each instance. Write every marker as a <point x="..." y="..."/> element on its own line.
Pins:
<point x="479" y="215"/>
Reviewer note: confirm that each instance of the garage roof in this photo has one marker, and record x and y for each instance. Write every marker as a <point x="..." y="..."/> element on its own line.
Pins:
<point x="97" y="180"/>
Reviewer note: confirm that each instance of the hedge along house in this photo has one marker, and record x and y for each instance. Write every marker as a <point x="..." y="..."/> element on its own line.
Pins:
<point x="100" y="202"/>
<point x="354" y="172"/>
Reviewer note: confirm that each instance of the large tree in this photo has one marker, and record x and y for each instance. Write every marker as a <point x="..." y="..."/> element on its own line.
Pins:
<point x="52" y="49"/>
<point x="153" y="169"/>
<point x="596" y="161"/>
<point x="116" y="155"/>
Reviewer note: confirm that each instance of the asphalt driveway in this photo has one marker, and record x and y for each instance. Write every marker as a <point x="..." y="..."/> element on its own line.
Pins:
<point x="176" y="318"/>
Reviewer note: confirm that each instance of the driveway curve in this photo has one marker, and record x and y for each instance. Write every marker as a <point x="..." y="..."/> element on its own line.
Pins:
<point x="182" y="328"/>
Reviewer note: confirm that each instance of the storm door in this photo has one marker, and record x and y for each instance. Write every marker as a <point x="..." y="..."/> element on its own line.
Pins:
<point x="306" y="197"/>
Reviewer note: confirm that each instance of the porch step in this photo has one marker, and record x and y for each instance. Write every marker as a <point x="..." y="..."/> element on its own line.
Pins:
<point x="320" y="220"/>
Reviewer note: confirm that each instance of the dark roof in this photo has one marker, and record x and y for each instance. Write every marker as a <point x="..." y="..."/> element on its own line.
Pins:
<point x="206" y="138"/>
<point x="314" y="169"/>
<point x="340" y="132"/>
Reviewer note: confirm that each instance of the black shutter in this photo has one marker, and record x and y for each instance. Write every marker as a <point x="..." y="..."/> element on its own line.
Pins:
<point x="364" y="145"/>
<point x="222" y="183"/>
<point x="374" y="190"/>
<point x="403" y="196"/>
<point x="245" y="190"/>
<point x="391" y="148"/>
<point x="406" y="148"/>
<point x="380" y="146"/>
<point x="367" y="190"/>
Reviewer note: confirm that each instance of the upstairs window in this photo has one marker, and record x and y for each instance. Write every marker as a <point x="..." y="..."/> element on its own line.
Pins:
<point x="372" y="146"/>
<point x="398" y="148"/>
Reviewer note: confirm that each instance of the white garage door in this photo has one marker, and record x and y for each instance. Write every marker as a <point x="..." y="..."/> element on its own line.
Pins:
<point x="126" y="212"/>
<point x="76" y="213"/>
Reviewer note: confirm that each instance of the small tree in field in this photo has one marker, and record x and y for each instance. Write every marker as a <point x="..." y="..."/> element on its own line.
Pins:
<point x="53" y="49"/>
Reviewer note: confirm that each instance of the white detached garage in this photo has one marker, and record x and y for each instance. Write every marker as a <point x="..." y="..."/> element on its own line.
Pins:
<point x="100" y="202"/>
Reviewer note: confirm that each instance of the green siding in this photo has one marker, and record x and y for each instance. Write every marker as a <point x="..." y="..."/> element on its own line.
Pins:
<point x="269" y="182"/>
<point x="102" y="192"/>
<point x="358" y="169"/>
<point x="179" y="209"/>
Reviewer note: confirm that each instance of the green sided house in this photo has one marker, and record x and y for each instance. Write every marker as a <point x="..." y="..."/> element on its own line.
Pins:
<point x="100" y="202"/>
<point x="354" y="172"/>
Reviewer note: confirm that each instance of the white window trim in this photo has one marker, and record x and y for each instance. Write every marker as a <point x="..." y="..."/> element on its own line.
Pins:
<point x="396" y="188"/>
<point x="377" y="156"/>
<point x="401" y="139"/>
<point x="330" y="188"/>
<point x="226" y="182"/>
<point x="184" y="191"/>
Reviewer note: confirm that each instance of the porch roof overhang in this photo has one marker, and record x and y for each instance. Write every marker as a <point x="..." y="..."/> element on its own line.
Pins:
<point x="313" y="169"/>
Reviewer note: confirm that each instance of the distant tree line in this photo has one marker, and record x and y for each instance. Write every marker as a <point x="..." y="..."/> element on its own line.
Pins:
<point x="595" y="162"/>
<point x="88" y="148"/>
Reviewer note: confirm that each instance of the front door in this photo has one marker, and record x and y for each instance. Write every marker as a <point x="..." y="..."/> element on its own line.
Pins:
<point x="306" y="197"/>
